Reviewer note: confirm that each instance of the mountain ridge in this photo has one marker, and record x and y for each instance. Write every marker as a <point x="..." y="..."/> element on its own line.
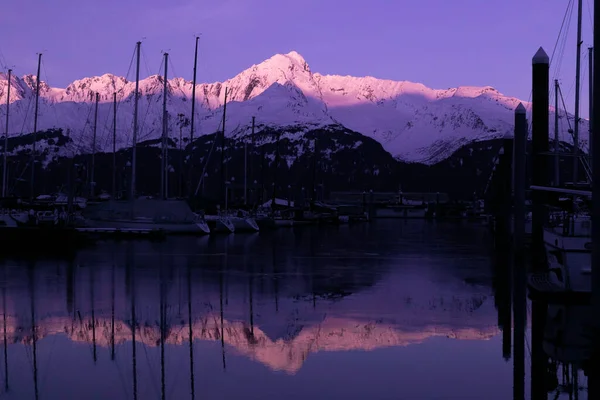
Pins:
<point x="414" y="123"/>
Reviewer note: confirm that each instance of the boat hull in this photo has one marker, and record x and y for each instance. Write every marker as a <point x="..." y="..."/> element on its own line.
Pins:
<point x="570" y="258"/>
<point x="219" y="225"/>
<point x="244" y="224"/>
<point x="189" y="228"/>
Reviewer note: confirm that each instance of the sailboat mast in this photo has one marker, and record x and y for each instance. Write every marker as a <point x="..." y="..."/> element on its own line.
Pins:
<point x="556" y="160"/>
<point x="245" y="172"/>
<point x="591" y="95"/>
<point x="163" y="158"/>
<point x="135" y="123"/>
<point x="4" y="172"/>
<point x="35" y="120"/>
<point x="577" y="90"/>
<point x="222" y="169"/>
<point x="114" y="148"/>
<point x="192" y="120"/>
<point x="252" y="173"/>
<point x="92" y="177"/>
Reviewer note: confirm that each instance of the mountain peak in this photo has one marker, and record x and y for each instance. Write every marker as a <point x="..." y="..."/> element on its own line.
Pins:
<point x="289" y="61"/>
<point x="296" y="56"/>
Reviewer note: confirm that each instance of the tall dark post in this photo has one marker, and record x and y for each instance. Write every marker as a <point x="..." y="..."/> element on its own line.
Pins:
<point x="540" y="115"/>
<point x="245" y="172"/>
<point x="35" y="118"/>
<point x="519" y="269"/>
<point x="590" y="102"/>
<point x="163" y="157"/>
<point x="5" y="152"/>
<point x="556" y="140"/>
<point x="252" y="177"/>
<point x="193" y="119"/>
<point x="577" y="89"/>
<point x="114" y="148"/>
<point x="180" y="156"/>
<point x="93" y="167"/>
<point x="313" y="196"/>
<point x="222" y="168"/>
<point x="135" y="125"/>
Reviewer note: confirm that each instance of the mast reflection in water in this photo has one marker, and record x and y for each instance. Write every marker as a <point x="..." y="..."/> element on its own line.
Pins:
<point x="393" y="309"/>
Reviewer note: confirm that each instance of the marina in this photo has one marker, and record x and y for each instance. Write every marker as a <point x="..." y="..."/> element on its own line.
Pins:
<point x="287" y="234"/>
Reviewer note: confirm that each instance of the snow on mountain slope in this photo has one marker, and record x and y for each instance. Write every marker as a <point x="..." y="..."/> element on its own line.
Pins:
<point x="413" y="122"/>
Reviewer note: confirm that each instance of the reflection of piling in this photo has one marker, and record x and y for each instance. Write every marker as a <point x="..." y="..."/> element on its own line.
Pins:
<point x="539" y="359"/>
<point x="33" y="329"/>
<point x="371" y="205"/>
<point x="190" y="331"/>
<point x="540" y="115"/>
<point x="112" y="314"/>
<point x="519" y="272"/>
<point x="92" y="302"/>
<point x="4" y="332"/>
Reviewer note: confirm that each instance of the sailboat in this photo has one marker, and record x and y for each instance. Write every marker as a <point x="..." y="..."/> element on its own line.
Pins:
<point x="143" y="214"/>
<point x="567" y="236"/>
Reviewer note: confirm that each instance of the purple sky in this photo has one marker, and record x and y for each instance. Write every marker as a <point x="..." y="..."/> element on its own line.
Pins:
<point x="440" y="43"/>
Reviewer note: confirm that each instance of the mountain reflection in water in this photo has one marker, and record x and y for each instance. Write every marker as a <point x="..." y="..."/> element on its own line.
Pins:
<point x="388" y="310"/>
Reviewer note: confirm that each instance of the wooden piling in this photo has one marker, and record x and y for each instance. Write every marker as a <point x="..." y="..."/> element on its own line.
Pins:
<point x="519" y="274"/>
<point x="540" y="173"/>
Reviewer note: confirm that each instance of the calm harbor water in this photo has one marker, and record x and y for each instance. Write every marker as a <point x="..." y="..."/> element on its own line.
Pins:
<point x="387" y="310"/>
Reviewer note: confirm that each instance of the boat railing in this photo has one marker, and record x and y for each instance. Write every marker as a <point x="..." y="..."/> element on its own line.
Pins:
<point x="571" y="225"/>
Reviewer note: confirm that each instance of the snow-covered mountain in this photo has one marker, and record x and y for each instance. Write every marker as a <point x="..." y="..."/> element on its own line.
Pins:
<point x="414" y="123"/>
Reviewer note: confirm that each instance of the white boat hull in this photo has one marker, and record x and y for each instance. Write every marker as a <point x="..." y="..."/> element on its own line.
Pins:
<point x="219" y="224"/>
<point x="242" y="224"/>
<point x="570" y="260"/>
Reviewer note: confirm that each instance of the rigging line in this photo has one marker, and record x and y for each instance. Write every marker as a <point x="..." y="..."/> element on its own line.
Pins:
<point x="568" y="12"/>
<point x="124" y="386"/>
<point x="78" y="146"/>
<point x="590" y="14"/>
<point x="150" y="372"/>
<point x="3" y="61"/>
<point x="143" y="124"/>
<point x="28" y="162"/>
<point x="564" y="107"/>
<point x="45" y="72"/>
<point x="121" y="91"/>
<point x="212" y="147"/>
<point x="563" y="44"/>
<point x="120" y="97"/>
<point x="26" y="115"/>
